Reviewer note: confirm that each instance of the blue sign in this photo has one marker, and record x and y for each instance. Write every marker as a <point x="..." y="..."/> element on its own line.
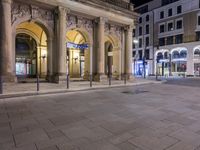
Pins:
<point x="77" y="46"/>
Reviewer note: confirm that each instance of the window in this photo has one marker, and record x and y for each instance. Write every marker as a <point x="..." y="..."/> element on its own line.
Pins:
<point x="140" y="54"/>
<point x="140" y="20"/>
<point x="140" y="43"/>
<point x="147" y="18"/>
<point x="161" y="41"/>
<point x="162" y="28"/>
<point x="147" y="53"/>
<point x="179" y="39"/>
<point x="170" y="26"/>
<point x="169" y="12"/>
<point x="140" y="31"/>
<point x="198" y="36"/>
<point x="161" y="14"/>
<point x="198" y="20"/>
<point x="133" y="32"/>
<point x="133" y="53"/>
<point x="179" y="24"/>
<point x="147" y="29"/>
<point x="170" y="40"/>
<point x="147" y="41"/>
<point x="179" y="9"/>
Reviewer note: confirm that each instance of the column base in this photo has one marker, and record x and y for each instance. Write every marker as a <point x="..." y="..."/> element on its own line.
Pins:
<point x="9" y="78"/>
<point x="58" y="78"/>
<point x="129" y="77"/>
<point x="100" y="78"/>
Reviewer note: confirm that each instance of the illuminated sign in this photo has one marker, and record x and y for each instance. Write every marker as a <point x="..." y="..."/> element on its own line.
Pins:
<point x="77" y="46"/>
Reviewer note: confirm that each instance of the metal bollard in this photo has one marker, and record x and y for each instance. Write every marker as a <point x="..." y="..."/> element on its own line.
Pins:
<point x="38" y="83"/>
<point x="67" y="81"/>
<point x="110" y="80"/>
<point x="90" y="80"/>
<point x="1" y="85"/>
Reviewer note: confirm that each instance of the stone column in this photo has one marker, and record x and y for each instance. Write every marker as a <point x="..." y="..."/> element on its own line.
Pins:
<point x="123" y="54"/>
<point x="50" y="58"/>
<point x="61" y="43"/>
<point x="101" y="50"/>
<point x="7" y="67"/>
<point x="128" y="51"/>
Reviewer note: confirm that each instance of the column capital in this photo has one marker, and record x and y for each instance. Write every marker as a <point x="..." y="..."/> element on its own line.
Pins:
<point x="101" y="20"/>
<point x="7" y="1"/>
<point x="129" y="28"/>
<point x="63" y="10"/>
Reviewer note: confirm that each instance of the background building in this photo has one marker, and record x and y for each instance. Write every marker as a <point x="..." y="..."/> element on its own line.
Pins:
<point x="168" y="32"/>
<point x="56" y="37"/>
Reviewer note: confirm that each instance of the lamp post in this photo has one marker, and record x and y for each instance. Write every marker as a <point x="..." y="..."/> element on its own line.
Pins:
<point x="157" y="60"/>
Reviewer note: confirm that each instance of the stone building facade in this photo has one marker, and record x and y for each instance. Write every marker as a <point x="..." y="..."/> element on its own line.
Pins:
<point x="173" y="39"/>
<point x="58" y="37"/>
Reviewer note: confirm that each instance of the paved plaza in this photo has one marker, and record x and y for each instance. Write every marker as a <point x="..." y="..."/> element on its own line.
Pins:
<point x="146" y="117"/>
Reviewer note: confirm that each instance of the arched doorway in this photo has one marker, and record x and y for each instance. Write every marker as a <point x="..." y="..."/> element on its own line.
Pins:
<point x="78" y="55"/>
<point x="108" y="58"/>
<point x="30" y="51"/>
<point x="112" y="54"/>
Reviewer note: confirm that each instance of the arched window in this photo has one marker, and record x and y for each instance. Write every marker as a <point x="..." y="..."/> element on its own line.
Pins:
<point x="183" y="54"/>
<point x="166" y="55"/>
<point x="197" y="52"/>
<point x="175" y="55"/>
<point x="159" y="56"/>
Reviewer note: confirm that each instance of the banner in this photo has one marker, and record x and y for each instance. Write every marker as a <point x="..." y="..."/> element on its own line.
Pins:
<point x="77" y="46"/>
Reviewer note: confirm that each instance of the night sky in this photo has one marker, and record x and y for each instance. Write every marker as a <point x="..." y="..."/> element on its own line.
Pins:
<point x="139" y="2"/>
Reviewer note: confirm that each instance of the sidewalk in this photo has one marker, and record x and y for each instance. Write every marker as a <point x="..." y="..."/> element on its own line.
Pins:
<point x="28" y="89"/>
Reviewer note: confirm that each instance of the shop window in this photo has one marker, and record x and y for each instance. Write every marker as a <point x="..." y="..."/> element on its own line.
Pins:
<point x="170" y="40"/>
<point x="162" y="28"/>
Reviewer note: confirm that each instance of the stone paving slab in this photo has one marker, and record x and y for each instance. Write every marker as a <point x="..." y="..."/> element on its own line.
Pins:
<point x="123" y="118"/>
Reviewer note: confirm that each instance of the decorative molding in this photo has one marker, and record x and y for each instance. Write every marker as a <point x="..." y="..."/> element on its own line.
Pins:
<point x="19" y="11"/>
<point x="79" y="22"/>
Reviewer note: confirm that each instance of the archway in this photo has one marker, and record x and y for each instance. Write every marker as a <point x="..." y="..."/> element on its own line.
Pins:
<point x="78" y="55"/>
<point x="108" y="58"/>
<point x="112" y="56"/>
<point x="30" y="50"/>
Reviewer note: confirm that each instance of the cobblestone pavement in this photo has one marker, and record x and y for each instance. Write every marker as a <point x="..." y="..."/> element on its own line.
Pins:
<point x="148" y="117"/>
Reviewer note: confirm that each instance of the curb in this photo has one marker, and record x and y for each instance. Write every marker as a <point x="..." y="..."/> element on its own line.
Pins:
<point x="64" y="91"/>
